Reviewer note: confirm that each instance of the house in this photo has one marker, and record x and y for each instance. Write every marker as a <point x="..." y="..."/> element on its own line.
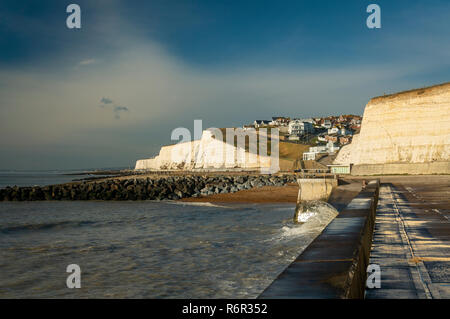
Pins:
<point x="309" y="156"/>
<point x="321" y="149"/>
<point x="344" y="131"/>
<point x="310" y="120"/>
<point x="280" y="121"/>
<point x="260" y="123"/>
<point x="318" y="149"/>
<point x="313" y="151"/>
<point x="356" y="120"/>
<point x="333" y="130"/>
<point x="331" y="138"/>
<point x="327" y="124"/>
<point x="345" y="118"/>
<point x="332" y="147"/>
<point x="299" y="127"/>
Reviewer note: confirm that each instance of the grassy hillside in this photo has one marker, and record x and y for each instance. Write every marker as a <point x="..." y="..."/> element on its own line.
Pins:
<point x="290" y="153"/>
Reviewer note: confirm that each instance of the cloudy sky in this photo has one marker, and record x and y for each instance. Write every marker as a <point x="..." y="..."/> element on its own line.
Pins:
<point x="112" y="92"/>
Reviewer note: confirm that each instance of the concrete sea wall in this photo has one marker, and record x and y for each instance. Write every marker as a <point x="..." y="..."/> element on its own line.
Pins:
<point x="315" y="188"/>
<point x="334" y="265"/>
<point x="402" y="168"/>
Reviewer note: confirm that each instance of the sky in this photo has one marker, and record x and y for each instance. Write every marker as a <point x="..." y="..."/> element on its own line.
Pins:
<point x="112" y="91"/>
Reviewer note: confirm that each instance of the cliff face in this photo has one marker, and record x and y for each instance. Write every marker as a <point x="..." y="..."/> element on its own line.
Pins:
<point x="407" y="127"/>
<point x="206" y="153"/>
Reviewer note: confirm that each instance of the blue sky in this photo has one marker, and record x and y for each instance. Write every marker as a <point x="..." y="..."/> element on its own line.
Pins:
<point x="112" y="91"/>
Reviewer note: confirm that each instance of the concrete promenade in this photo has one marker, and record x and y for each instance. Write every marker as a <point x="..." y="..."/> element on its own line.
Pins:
<point x="411" y="241"/>
<point x="406" y="232"/>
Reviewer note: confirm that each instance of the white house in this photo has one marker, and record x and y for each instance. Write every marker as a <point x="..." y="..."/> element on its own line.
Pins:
<point x="333" y="130"/>
<point x="280" y="121"/>
<point x="298" y="127"/>
<point x="326" y="124"/>
<point x="318" y="149"/>
<point x="322" y="149"/>
<point x="259" y="123"/>
<point x="309" y="156"/>
<point x="310" y="120"/>
<point x="331" y="147"/>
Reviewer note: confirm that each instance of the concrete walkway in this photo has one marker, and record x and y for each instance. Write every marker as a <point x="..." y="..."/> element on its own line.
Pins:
<point x="411" y="241"/>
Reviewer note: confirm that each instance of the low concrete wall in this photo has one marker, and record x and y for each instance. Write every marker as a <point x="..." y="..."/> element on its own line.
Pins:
<point x="402" y="168"/>
<point x="315" y="188"/>
<point x="334" y="265"/>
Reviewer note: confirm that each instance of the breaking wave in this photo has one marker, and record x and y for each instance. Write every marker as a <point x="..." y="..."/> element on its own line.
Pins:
<point x="310" y="219"/>
<point x="200" y="204"/>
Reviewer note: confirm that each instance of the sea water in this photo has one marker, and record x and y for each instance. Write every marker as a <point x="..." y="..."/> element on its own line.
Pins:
<point x="146" y="249"/>
<point x="39" y="178"/>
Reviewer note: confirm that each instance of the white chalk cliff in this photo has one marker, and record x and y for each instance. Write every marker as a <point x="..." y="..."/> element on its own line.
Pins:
<point x="406" y="127"/>
<point x="206" y="153"/>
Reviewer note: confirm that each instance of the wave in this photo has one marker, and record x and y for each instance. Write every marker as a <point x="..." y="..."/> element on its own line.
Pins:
<point x="317" y="213"/>
<point x="312" y="218"/>
<point x="45" y="226"/>
<point x="200" y="204"/>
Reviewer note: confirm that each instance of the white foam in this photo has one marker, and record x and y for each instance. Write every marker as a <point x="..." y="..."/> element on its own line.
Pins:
<point x="303" y="218"/>
<point x="200" y="204"/>
<point x="313" y="220"/>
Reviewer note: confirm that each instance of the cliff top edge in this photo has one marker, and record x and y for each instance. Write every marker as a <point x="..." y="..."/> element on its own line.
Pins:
<point x="430" y="90"/>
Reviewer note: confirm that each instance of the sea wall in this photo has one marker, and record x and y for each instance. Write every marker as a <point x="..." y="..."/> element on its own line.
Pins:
<point x="315" y="188"/>
<point x="159" y="188"/>
<point x="402" y="168"/>
<point x="334" y="265"/>
<point x="407" y="127"/>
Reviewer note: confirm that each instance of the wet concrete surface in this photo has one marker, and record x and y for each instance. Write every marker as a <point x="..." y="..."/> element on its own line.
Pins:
<point x="411" y="241"/>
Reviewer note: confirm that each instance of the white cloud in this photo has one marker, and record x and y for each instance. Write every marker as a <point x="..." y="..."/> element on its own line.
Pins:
<point x="87" y="62"/>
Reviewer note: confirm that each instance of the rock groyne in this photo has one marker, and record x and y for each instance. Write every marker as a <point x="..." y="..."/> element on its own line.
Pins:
<point x="157" y="188"/>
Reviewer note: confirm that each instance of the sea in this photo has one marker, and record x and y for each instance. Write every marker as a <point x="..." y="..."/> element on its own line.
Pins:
<point x="43" y="177"/>
<point x="144" y="249"/>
